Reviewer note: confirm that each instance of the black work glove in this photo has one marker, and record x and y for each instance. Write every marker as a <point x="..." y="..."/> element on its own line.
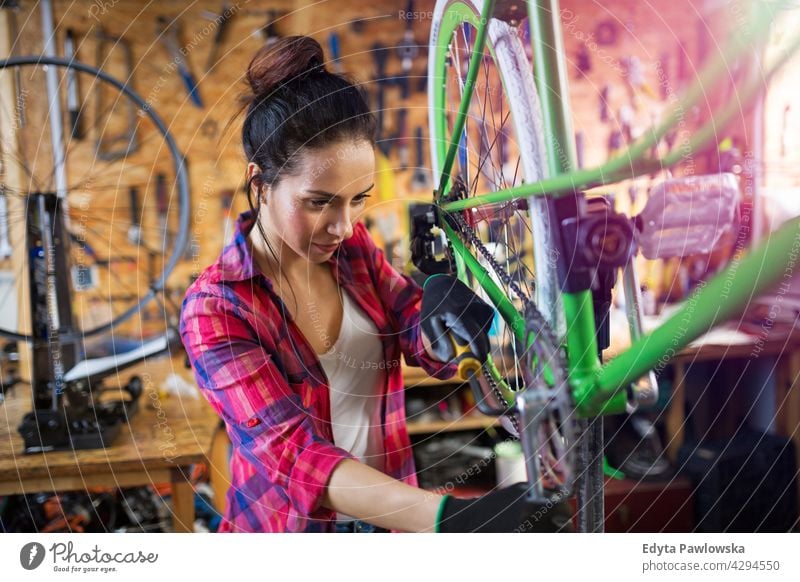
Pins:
<point x="504" y="510"/>
<point x="449" y="305"/>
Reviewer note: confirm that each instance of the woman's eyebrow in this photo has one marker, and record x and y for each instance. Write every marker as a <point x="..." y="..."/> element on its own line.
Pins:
<point x="331" y="195"/>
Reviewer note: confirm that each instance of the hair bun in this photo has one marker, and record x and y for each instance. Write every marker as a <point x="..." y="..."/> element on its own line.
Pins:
<point x="282" y="61"/>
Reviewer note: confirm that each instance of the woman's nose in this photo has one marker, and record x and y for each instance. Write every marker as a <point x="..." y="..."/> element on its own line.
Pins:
<point x="341" y="227"/>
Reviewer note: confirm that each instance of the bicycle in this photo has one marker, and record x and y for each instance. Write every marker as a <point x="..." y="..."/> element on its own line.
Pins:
<point x="557" y="387"/>
<point x="66" y="235"/>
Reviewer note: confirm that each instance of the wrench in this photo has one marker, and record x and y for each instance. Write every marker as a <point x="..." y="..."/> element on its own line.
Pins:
<point x="168" y="35"/>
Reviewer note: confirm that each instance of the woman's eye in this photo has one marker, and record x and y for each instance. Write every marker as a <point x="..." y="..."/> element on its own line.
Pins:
<point x="322" y="203"/>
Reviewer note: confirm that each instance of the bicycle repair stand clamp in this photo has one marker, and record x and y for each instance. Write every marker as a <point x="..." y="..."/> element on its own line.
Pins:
<point x="592" y="241"/>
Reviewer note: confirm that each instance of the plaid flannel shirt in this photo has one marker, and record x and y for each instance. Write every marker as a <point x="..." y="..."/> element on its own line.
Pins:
<point x="263" y="378"/>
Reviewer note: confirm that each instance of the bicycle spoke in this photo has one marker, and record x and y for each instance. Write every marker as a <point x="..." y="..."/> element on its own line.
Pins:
<point x="98" y="184"/>
<point x="104" y="164"/>
<point x="19" y="157"/>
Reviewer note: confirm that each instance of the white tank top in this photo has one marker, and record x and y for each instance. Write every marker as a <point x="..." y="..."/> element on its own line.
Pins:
<point x="356" y="372"/>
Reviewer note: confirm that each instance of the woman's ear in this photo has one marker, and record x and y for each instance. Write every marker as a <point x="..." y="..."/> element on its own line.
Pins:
<point x="255" y="185"/>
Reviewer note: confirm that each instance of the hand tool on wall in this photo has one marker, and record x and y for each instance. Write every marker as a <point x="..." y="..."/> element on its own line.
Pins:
<point x="167" y="34"/>
<point x="384" y="144"/>
<point x="401" y="137"/>
<point x="114" y="147"/>
<point x="73" y="91"/>
<point x="603" y="102"/>
<point x="404" y="83"/>
<point x="162" y="206"/>
<point x="407" y="48"/>
<point x="380" y="55"/>
<point x="385" y="171"/>
<point x="222" y="19"/>
<point x="421" y="178"/>
<point x="333" y="47"/>
<point x="583" y="61"/>
<point x="358" y="25"/>
<point x="383" y="166"/>
<point x="270" y="30"/>
<point x="135" y="229"/>
<point x="615" y="141"/>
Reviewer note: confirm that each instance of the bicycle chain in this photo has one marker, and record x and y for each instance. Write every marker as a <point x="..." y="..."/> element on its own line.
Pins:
<point x="533" y="317"/>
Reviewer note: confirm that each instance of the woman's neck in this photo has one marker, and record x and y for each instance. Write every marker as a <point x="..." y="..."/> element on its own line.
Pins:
<point x="287" y="264"/>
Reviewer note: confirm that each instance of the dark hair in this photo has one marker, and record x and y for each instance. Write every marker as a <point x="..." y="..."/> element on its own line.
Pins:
<point x="295" y="103"/>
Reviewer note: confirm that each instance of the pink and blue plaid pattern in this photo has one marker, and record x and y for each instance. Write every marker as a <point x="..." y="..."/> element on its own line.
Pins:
<point x="265" y="381"/>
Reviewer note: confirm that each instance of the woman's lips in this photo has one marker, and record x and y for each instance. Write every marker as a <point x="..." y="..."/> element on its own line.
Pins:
<point x="326" y="248"/>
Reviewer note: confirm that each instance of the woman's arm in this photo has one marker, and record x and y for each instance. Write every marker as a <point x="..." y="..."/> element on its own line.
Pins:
<point x="266" y="419"/>
<point x="367" y="494"/>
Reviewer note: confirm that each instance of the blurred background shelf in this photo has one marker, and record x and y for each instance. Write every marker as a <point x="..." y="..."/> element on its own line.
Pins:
<point x="472" y="422"/>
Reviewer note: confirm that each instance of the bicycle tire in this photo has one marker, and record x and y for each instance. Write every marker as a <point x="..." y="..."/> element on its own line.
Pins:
<point x="516" y="76"/>
<point x="520" y="89"/>
<point x="181" y="187"/>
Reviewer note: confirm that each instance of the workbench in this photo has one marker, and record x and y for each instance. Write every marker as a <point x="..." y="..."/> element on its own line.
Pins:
<point x="163" y="440"/>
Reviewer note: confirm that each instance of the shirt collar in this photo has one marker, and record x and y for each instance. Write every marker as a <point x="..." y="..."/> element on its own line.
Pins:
<point x="236" y="261"/>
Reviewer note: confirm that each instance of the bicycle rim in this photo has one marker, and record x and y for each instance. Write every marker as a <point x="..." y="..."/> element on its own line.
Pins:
<point x="104" y="227"/>
<point x="501" y="147"/>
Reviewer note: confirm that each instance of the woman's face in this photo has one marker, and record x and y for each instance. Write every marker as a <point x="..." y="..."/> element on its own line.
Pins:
<point x="313" y="211"/>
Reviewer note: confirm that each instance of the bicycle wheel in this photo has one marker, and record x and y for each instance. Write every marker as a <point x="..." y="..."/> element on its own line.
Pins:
<point x="501" y="147"/>
<point x="119" y="184"/>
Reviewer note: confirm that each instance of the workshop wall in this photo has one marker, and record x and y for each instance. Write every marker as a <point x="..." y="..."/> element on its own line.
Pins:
<point x="627" y="60"/>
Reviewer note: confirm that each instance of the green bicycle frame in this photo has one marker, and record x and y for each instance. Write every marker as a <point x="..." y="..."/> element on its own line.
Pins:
<point x="596" y="388"/>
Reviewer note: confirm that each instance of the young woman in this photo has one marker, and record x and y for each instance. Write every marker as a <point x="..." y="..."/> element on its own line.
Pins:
<point x="295" y="334"/>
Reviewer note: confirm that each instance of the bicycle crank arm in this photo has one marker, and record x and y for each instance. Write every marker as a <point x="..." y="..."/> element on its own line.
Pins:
<point x="469" y="370"/>
<point x="532" y="405"/>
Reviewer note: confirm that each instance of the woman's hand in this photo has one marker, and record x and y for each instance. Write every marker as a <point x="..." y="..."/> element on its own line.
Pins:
<point x="450" y="307"/>
<point x="503" y="511"/>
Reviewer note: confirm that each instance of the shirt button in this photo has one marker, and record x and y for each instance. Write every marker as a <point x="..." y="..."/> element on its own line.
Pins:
<point x="251" y="422"/>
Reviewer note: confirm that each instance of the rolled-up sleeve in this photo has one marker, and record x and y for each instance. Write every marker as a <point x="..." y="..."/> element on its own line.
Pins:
<point x="402" y="297"/>
<point x="266" y="418"/>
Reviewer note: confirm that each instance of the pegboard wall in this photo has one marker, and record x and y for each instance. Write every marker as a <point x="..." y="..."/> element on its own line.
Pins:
<point x="627" y="61"/>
